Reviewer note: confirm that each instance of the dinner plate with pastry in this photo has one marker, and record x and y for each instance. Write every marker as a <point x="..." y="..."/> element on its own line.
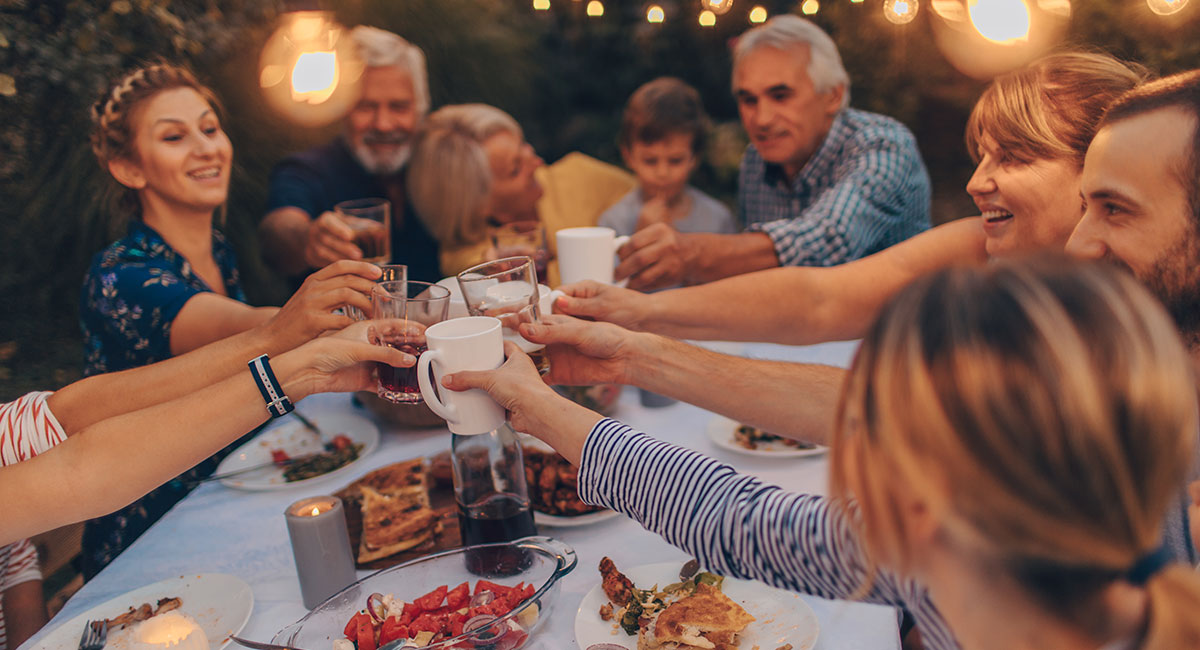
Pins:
<point x="745" y="439"/>
<point x="287" y="453"/>
<point x="195" y="612"/>
<point x="672" y="606"/>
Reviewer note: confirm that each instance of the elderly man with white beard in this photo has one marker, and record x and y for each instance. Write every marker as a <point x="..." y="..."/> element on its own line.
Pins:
<point x="299" y="231"/>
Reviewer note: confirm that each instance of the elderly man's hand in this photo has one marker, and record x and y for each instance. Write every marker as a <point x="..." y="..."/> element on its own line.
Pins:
<point x="656" y="256"/>
<point x="604" y="302"/>
<point x="583" y="352"/>
<point x="329" y="240"/>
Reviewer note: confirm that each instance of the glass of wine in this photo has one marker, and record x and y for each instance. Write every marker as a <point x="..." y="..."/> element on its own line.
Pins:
<point x="371" y="221"/>
<point x="404" y="310"/>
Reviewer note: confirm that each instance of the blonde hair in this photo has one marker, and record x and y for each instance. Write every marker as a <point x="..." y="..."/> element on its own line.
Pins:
<point x="114" y="117"/>
<point x="449" y="177"/>
<point x="1050" y="109"/>
<point x="1045" y="411"/>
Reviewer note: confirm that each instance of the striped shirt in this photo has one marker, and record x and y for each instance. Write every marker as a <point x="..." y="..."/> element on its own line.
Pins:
<point x="863" y="190"/>
<point x="18" y="563"/>
<point x="27" y="428"/>
<point x="738" y="526"/>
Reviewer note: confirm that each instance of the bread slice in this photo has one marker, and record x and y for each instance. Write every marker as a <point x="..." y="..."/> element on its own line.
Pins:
<point x="706" y="620"/>
<point x="388" y="479"/>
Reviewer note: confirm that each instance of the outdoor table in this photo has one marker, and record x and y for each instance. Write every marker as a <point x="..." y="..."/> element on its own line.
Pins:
<point x="220" y="530"/>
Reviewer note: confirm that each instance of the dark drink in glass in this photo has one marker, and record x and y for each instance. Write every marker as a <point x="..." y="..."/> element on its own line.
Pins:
<point x="498" y="518"/>
<point x="400" y="385"/>
<point x="372" y="240"/>
<point x="540" y="360"/>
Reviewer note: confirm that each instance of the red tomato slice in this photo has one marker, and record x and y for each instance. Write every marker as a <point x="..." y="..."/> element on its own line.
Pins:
<point x="432" y="600"/>
<point x="392" y="629"/>
<point x="458" y="597"/>
<point x="366" y="635"/>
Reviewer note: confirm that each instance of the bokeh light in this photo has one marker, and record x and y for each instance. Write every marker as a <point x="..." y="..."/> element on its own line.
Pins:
<point x="900" y="12"/>
<point x="707" y="18"/>
<point x="1000" y="21"/>
<point x="758" y="14"/>
<point x="655" y="14"/>
<point x="810" y="7"/>
<point x="541" y="5"/>
<point x="595" y="8"/>
<point x="1166" y="7"/>
<point x="309" y="70"/>
<point x="718" y="7"/>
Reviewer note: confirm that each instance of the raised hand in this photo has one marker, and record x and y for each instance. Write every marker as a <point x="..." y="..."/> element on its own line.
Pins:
<point x="583" y="352"/>
<point x="343" y="362"/>
<point x="329" y="240"/>
<point x="656" y="256"/>
<point x="310" y="311"/>
<point x="604" y="302"/>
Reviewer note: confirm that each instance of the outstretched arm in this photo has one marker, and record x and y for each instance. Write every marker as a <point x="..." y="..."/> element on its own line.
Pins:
<point x="789" y="305"/>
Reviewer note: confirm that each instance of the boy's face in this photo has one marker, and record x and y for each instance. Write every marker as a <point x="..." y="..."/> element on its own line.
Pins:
<point x="662" y="168"/>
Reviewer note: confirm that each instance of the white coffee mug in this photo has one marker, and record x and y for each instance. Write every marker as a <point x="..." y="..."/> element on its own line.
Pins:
<point x="458" y="306"/>
<point x="588" y="254"/>
<point x="470" y="343"/>
<point x="546" y="298"/>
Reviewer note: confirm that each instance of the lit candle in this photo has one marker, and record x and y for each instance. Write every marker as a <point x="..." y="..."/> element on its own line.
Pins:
<point x="321" y="547"/>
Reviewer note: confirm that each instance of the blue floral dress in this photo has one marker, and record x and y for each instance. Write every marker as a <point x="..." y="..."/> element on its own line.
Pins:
<point x="130" y="297"/>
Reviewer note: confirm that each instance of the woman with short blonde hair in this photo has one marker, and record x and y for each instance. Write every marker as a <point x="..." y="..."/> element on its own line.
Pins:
<point x="451" y="176"/>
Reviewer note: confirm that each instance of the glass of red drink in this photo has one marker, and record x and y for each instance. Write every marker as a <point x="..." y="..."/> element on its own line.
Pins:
<point x="405" y="309"/>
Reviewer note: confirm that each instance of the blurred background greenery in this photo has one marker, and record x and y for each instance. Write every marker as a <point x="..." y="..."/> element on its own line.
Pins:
<point x="563" y="75"/>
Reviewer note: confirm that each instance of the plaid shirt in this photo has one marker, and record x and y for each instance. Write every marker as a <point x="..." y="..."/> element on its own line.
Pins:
<point x="864" y="189"/>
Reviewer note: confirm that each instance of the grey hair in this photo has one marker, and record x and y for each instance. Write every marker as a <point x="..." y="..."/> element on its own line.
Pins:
<point x="449" y="176"/>
<point x="379" y="48"/>
<point x="787" y="31"/>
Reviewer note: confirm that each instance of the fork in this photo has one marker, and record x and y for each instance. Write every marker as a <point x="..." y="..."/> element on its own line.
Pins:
<point x="94" y="636"/>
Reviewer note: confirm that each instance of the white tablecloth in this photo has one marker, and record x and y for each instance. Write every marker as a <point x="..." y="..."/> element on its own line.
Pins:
<point x="219" y="530"/>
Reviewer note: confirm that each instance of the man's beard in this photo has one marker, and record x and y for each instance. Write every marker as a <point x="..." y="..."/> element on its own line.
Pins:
<point x="1174" y="279"/>
<point x="382" y="164"/>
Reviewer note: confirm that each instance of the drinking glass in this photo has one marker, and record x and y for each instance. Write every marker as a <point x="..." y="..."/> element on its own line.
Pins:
<point x="523" y="238"/>
<point x="507" y="289"/>
<point x="391" y="273"/>
<point x="371" y="221"/>
<point x="408" y="308"/>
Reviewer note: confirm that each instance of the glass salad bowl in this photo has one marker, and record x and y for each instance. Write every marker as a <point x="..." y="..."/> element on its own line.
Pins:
<point x="538" y="562"/>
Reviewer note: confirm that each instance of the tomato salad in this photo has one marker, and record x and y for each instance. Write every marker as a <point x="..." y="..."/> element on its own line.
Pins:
<point x="443" y="614"/>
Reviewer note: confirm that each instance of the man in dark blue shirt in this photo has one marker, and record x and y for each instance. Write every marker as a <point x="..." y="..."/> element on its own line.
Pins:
<point x="299" y="232"/>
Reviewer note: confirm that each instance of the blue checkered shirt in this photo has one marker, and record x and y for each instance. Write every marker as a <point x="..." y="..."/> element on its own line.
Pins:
<point x="864" y="189"/>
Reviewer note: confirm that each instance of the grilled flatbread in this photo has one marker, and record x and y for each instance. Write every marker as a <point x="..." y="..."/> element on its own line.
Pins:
<point x="706" y="620"/>
<point x="396" y="514"/>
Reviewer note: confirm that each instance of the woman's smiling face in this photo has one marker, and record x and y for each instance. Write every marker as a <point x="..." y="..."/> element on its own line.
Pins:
<point x="183" y="155"/>
<point x="1025" y="204"/>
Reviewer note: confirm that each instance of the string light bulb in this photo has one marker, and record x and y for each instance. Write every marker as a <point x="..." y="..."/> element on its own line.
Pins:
<point x="655" y="14"/>
<point x="309" y="69"/>
<point x="541" y="5"/>
<point x="707" y="18"/>
<point x="857" y="2"/>
<point x="1000" y="21"/>
<point x="595" y="8"/>
<point x="758" y="14"/>
<point x="900" y="12"/>
<point x="810" y="7"/>
<point x="1166" y="7"/>
<point x="718" y="7"/>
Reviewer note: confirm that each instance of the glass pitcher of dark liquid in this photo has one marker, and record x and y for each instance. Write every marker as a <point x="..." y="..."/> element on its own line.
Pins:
<point x="493" y="503"/>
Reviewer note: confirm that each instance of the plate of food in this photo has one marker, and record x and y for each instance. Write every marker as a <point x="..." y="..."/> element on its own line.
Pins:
<point x="745" y="439"/>
<point x="661" y="610"/>
<point x="288" y="453"/>
<point x="552" y="482"/>
<point x="219" y="604"/>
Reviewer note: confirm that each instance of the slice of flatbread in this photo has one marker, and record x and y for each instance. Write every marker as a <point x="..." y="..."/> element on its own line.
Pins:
<point x="707" y="619"/>
<point x="388" y="479"/>
<point x="395" y="522"/>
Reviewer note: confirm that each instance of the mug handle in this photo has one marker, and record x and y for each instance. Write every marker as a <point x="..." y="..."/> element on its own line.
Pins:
<point x="445" y="411"/>
<point x="617" y="244"/>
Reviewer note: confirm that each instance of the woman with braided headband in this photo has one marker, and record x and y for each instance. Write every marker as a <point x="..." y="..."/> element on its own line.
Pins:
<point x="171" y="285"/>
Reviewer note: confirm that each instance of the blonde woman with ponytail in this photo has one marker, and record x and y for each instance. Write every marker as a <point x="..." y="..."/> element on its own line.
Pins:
<point x="1010" y="441"/>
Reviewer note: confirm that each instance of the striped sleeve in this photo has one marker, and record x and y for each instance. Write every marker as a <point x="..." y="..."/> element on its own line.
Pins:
<point x="739" y="526"/>
<point x="27" y="428"/>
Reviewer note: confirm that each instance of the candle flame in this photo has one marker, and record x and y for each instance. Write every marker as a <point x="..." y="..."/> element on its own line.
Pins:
<point x="316" y="511"/>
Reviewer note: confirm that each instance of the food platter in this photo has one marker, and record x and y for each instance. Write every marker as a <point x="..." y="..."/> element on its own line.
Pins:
<point x="219" y="603"/>
<point x="782" y="617"/>
<point x="292" y="437"/>
<point x="721" y="431"/>
<point x="575" y="521"/>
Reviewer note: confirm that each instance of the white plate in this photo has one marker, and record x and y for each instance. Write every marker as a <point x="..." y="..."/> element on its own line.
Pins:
<point x="721" y="431"/>
<point x="556" y="521"/>
<point x="290" y="435"/>
<point x="781" y="616"/>
<point x="219" y="603"/>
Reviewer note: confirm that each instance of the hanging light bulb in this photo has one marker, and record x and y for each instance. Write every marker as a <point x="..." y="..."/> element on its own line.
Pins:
<point x="718" y="7"/>
<point x="541" y="5"/>
<point x="595" y="8"/>
<point x="758" y="14"/>
<point x="1000" y="21"/>
<point x="900" y="12"/>
<point x="857" y="2"/>
<point x="655" y="14"/>
<point x="707" y="18"/>
<point x="1166" y="7"/>
<point x="810" y="7"/>
<point x="309" y="69"/>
